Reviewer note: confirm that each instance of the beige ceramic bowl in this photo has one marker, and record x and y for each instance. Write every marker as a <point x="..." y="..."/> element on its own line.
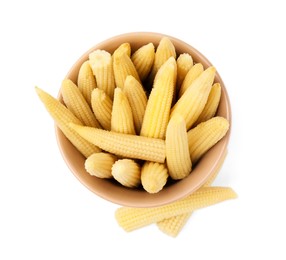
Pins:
<point x="114" y="192"/>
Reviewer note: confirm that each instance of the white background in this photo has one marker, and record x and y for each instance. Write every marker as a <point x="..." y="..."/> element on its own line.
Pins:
<point x="47" y="214"/>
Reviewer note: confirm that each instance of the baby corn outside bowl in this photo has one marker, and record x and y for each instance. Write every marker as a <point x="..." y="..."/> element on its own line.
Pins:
<point x="154" y="107"/>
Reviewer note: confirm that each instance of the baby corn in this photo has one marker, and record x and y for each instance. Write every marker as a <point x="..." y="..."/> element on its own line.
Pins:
<point x="193" y="101"/>
<point x="100" y="164"/>
<point x="192" y="74"/>
<point x="137" y="99"/>
<point x="121" y="116"/>
<point x="127" y="172"/>
<point x="164" y="51"/>
<point x="143" y="60"/>
<point x="77" y="104"/>
<point x="62" y="117"/>
<point x="158" y="107"/>
<point x="205" y="135"/>
<point x="211" y="105"/>
<point x="154" y="176"/>
<point x="86" y="81"/>
<point x="102" y="106"/>
<point x="124" y="48"/>
<point x="184" y="64"/>
<point x="101" y="64"/>
<point x="125" y="145"/>
<point x="122" y="67"/>
<point x="133" y="218"/>
<point x="173" y="226"/>
<point x="177" y="150"/>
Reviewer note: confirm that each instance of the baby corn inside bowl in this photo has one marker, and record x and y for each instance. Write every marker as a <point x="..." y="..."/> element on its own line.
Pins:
<point x="168" y="151"/>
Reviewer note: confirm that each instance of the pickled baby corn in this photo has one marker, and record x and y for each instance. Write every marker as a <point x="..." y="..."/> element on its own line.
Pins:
<point x="192" y="74"/>
<point x="100" y="164"/>
<point x="192" y="102"/>
<point x="86" y="81"/>
<point x="121" y="115"/>
<point x="127" y="172"/>
<point x="177" y="150"/>
<point x="158" y="107"/>
<point x="133" y="218"/>
<point x="62" y="117"/>
<point x="164" y="51"/>
<point x="143" y="60"/>
<point x="101" y="64"/>
<point x="154" y="176"/>
<point x="211" y="105"/>
<point x="124" y="48"/>
<point x="205" y="135"/>
<point x="102" y="106"/>
<point x="77" y="104"/>
<point x="184" y="64"/>
<point x="137" y="99"/>
<point x="173" y="226"/>
<point x="125" y="145"/>
<point x="122" y="67"/>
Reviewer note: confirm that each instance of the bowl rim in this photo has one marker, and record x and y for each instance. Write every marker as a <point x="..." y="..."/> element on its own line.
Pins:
<point x="128" y="196"/>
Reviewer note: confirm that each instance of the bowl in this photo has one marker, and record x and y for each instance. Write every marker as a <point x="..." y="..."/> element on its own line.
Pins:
<point x="115" y="192"/>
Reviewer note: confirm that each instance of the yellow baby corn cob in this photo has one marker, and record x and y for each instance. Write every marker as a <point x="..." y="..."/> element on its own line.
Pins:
<point x="173" y="226"/>
<point x="125" y="145"/>
<point x="133" y="218"/>
<point x="121" y="115"/>
<point x="177" y="150"/>
<point x="192" y="74"/>
<point x="158" y="107"/>
<point x="192" y="102"/>
<point x="86" y="81"/>
<point x="102" y="106"/>
<point x="62" y="117"/>
<point x="143" y="60"/>
<point x="211" y="105"/>
<point x="124" y="48"/>
<point x="205" y="135"/>
<point x="154" y="176"/>
<point x="137" y="99"/>
<point x="122" y="67"/>
<point x="77" y="104"/>
<point x="100" y="164"/>
<point x="101" y="64"/>
<point x="164" y="51"/>
<point x="184" y="64"/>
<point x="127" y="172"/>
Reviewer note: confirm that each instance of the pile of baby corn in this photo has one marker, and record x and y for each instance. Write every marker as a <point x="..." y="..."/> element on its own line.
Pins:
<point x="141" y="118"/>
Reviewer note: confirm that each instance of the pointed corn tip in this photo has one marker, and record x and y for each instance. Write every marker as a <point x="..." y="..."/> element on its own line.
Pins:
<point x="233" y="194"/>
<point x="117" y="91"/>
<point x="40" y="92"/>
<point x="171" y="60"/>
<point x="165" y="39"/>
<point x="37" y="89"/>
<point x="211" y="69"/>
<point x="66" y="83"/>
<point x="150" y="45"/>
<point x="129" y="79"/>
<point x="73" y="125"/>
<point x="223" y="121"/>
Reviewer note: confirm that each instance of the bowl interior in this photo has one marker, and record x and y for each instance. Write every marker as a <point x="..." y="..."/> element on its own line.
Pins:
<point x="116" y="193"/>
